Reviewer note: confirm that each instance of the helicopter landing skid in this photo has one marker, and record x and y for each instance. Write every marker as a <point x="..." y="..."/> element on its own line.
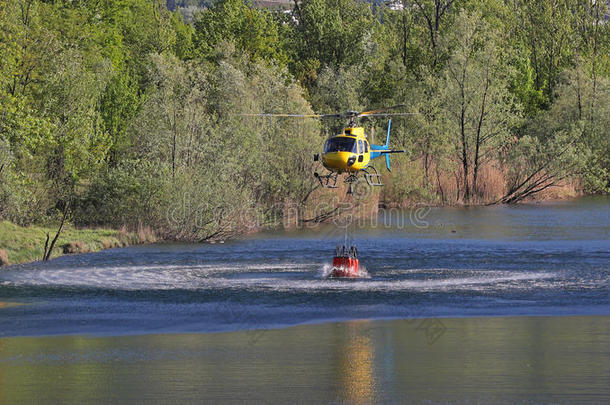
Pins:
<point x="373" y="178"/>
<point x="351" y="180"/>
<point x="327" y="180"/>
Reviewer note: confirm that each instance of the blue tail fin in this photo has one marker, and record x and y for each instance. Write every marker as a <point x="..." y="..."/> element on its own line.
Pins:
<point x="387" y="139"/>
<point x="387" y="145"/>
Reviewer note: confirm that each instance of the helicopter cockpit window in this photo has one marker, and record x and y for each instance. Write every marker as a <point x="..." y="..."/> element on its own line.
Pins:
<point x="366" y="147"/>
<point x="341" y="144"/>
<point x="360" y="147"/>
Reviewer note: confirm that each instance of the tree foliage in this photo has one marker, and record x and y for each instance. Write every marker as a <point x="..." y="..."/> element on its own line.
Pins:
<point x="130" y="115"/>
<point x="253" y="31"/>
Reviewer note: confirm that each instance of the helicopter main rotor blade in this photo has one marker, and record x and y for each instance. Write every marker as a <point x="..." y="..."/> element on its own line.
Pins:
<point x="389" y="114"/>
<point x="293" y="115"/>
<point x="379" y="110"/>
<point x="347" y="114"/>
<point x="282" y="115"/>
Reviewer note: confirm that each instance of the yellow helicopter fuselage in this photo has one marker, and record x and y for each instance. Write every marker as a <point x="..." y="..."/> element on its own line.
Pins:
<point x="347" y="152"/>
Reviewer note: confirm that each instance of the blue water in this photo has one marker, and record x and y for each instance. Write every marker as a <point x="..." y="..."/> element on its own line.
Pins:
<point x="548" y="259"/>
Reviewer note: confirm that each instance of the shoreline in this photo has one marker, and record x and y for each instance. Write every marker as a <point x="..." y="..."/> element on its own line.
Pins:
<point x="529" y="201"/>
<point x="19" y="245"/>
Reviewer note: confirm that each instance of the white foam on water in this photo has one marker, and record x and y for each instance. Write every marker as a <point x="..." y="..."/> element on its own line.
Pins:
<point x="137" y="277"/>
<point x="466" y="283"/>
<point x="325" y="270"/>
<point x="362" y="272"/>
<point x="268" y="277"/>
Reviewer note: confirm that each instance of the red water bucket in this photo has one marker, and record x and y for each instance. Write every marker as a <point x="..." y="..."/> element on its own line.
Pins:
<point x="344" y="267"/>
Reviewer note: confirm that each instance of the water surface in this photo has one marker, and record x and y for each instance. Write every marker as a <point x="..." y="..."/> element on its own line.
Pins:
<point x="550" y="259"/>
<point x="508" y="360"/>
<point x="489" y="305"/>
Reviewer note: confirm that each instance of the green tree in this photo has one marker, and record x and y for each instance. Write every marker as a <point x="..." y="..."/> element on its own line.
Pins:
<point x="253" y="31"/>
<point x="334" y="32"/>
<point x="477" y="106"/>
<point x="546" y="30"/>
<point x="434" y="14"/>
<point x="78" y="144"/>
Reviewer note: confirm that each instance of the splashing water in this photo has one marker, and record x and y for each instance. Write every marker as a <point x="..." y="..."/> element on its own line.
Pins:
<point x="325" y="272"/>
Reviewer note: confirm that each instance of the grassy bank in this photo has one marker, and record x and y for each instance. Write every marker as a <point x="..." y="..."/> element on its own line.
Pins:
<point x="25" y="244"/>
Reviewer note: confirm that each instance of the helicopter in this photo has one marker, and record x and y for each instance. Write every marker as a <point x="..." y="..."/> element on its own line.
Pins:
<point x="350" y="152"/>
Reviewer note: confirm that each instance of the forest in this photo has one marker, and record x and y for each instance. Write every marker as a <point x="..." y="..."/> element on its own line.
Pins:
<point x="122" y="113"/>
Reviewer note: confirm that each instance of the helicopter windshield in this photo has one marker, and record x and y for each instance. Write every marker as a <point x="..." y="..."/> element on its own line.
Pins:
<point x="341" y="144"/>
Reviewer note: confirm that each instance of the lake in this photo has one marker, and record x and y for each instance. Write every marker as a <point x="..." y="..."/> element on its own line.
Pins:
<point x="466" y="305"/>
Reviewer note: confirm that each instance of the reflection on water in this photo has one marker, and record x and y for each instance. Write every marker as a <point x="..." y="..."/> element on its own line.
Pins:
<point x="586" y="218"/>
<point x="356" y="371"/>
<point x="478" y="360"/>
